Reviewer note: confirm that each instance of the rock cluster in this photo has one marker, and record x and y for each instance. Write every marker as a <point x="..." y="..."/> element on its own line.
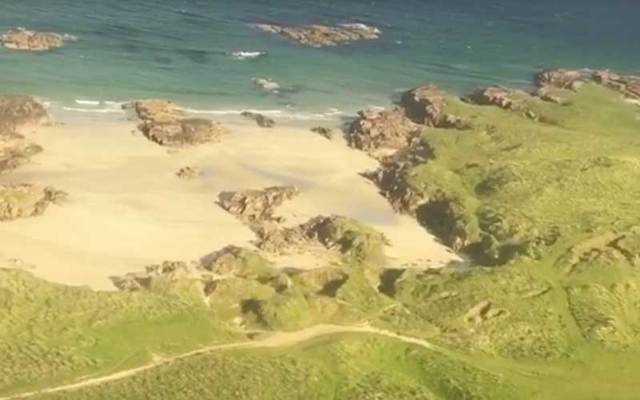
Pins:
<point x="262" y="120"/>
<point x="17" y="112"/>
<point x="230" y="262"/>
<point x="256" y="207"/>
<point x="22" y="39"/>
<point x="380" y="133"/>
<point x="20" y="201"/>
<point x="322" y="35"/>
<point x="628" y="85"/>
<point x="167" y="124"/>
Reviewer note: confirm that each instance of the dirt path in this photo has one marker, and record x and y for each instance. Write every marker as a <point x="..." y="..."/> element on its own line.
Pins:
<point x="279" y="339"/>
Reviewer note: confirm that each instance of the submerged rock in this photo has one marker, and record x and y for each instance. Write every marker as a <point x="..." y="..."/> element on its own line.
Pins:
<point x="167" y="124"/>
<point x="266" y="84"/>
<point x="381" y="132"/>
<point x="22" y="39"/>
<point x="262" y="120"/>
<point x="322" y="35"/>
<point x="256" y="206"/>
<point x="21" y="201"/>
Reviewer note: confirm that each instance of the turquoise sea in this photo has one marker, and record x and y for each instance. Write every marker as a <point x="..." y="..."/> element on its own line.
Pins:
<point x="183" y="49"/>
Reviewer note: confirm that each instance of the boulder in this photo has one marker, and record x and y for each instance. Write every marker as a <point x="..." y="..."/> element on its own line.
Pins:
<point x="256" y="206"/>
<point x="261" y="120"/>
<point x="323" y="35"/>
<point x="22" y="201"/>
<point x="22" y="39"/>
<point x="165" y="123"/>
<point x="380" y="132"/>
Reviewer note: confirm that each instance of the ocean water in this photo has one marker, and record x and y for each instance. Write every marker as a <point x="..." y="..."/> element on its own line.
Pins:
<point x="184" y="49"/>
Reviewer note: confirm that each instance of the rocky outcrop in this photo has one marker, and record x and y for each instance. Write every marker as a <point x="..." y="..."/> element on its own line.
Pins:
<point x="256" y="207"/>
<point x="261" y="120"/>
<point x="380" y="133"/>
<point x="425" y="105"/>
<point x="23" y="39"/>
<point x="322" y="35"/>
<point x="505" y="98"/>
<point x="166" y="123"/>
<point x="21" y="201"/>
<point x="554" y="94"/>
<point x="627" y="85"/>
<point x="227" y="263"/>
<point x="561" y="78"/>
<point x="334" y="233"/>
<point x="17" y="111"/>
<point x="157" y="110"/>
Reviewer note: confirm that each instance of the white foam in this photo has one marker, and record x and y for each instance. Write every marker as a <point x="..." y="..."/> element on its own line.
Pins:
<point x="92" y="110"/>
<point x="362" y="27"/>
<point x="248" y="55"/>
<point x="87" y="102"/>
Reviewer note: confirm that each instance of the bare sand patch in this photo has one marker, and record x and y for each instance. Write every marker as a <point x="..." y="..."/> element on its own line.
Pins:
<point x="127" y="208"/>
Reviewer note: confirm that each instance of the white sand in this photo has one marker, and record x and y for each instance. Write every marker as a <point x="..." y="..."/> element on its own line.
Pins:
<point x="127" y="209"/>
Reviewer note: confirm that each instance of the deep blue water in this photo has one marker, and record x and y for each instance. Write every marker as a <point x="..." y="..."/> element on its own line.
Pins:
<point x="181" y="49"/>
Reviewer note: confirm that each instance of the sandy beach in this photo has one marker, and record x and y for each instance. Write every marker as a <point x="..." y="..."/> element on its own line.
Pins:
<point x="128" y="209"/>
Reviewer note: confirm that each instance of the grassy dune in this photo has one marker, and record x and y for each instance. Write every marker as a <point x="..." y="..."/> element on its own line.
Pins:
<point x="548" y="211"/>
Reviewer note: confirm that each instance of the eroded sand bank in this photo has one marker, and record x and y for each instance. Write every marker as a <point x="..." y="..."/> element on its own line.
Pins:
<point x="127" y="208"/>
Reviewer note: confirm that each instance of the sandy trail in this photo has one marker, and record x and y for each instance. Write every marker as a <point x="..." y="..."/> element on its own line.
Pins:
<point x="278" y="339"/>
<point x="127" y="209"/>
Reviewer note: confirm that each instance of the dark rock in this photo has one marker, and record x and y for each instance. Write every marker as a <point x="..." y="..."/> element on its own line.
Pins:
<point x="325" y="132"/>
<point x="261" y="120"/>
